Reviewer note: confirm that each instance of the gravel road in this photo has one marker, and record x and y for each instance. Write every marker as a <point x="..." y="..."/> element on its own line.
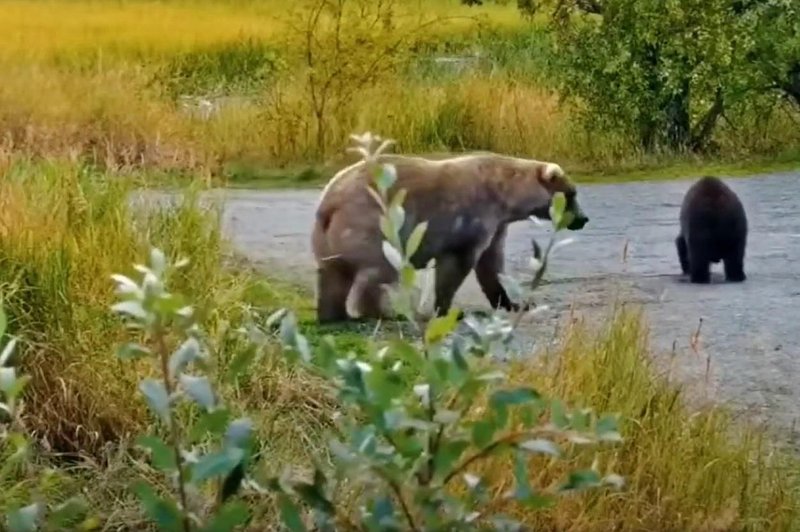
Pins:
<point x="750" y="331"/>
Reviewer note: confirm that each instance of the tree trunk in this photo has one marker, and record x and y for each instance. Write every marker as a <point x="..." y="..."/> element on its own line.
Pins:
<point x="677" y="120"/>
<point x="792" y="85"/>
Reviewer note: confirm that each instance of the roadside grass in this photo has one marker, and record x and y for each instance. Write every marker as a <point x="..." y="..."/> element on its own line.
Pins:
<point x="64" y="229"/>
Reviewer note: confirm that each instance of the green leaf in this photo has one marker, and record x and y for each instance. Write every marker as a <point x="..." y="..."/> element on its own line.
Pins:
<point x="614" y="480"/>
<point x="512" y="287"/>
<point x="386" y="178"/>
<point x="156" y="396"/>
<point x="541" y="446"/>
<point x="501" y="399"/>
<point x="163" y="455"/>
<point x="482" y="433"/>
<point x="580" y="480"/>
<point x="8" y="350"/>
<point x="228" y="517"/>
<point x="214" y="422"/>
<point x="241" y="361"/>
<point x="66" y="515"/>
<point x="131" y="308"/>
<point x="505" y="524"/>
<point x="522" y="487"/>
<point x="558" y="415"/>
<point x="395" y="207"/>
<point x="557" y="206"/>
<point x="397" y="215"/>
<point x="415" y="239"/>
<point x="199" y="389"/>
<point x="216" y="464"/>
<point x="239" y="432"/>
<point x="132" y="351"/>
<point x="275" y="317"/>
<point x="383" y="513"/>
<point x="607" y="429"/>
<point x="441" y="326"/>
<point x="8" y="378"/>
<point x="19" y="385"/>
<point x="158" y="262"/>
<point x="313" y="496"/>
<point x="290" y="515"/>
<point x="24" y="519"/>
<point x="447" y="455"/>
<point x="188" y="352"/>
<point x="387" y="228"/>
<point x="392" y="255"/>
<point x="163" y="511"/>
<point x="3" y="326"/>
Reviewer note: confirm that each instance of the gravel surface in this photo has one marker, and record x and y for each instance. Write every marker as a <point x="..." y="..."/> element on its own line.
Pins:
<point x="749" y="331"/>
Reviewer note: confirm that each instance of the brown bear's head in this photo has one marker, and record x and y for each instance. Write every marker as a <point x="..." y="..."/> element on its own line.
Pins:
<point x="551" y="178"/>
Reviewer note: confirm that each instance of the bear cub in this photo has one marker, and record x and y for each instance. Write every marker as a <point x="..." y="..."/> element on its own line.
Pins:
<point x="713" y="228"/>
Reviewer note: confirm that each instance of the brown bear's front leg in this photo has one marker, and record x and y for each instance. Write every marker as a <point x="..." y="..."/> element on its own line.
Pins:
<point x="451" y="270"/>
<point x="333" y="286"/>
<point x="490" y="264"/>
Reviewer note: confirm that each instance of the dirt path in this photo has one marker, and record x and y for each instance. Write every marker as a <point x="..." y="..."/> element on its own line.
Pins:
<point x="749" y="330"/>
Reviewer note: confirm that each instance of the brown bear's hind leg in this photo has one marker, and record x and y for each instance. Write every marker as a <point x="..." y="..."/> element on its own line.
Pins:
<point x="683" y="253"/>
<point x="368" y="292"/>
<point x="451" y="270"/>
<point x="333" y="286"/>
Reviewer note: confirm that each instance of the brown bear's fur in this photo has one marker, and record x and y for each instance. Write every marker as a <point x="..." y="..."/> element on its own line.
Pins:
<point x="468" y="202"/>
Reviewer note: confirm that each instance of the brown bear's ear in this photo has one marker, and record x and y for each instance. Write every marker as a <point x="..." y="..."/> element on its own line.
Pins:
<point x="547" y="172"/>
<point x="552" y="171"/>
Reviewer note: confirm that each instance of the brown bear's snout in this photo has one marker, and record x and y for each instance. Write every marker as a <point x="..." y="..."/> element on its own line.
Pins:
<point x="579" y="218"/>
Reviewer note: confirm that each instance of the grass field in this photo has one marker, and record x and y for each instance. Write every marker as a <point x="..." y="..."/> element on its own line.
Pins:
<point x="689" y="466"/>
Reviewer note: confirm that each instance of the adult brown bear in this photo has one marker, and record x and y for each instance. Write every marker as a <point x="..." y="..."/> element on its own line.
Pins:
<point x="713" y="228"/>
<point x="468" y="202"/>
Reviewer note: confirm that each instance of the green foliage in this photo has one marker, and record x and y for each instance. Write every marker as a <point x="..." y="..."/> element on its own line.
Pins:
<point x="411" y="430"/>
<point x="775" y="56"/>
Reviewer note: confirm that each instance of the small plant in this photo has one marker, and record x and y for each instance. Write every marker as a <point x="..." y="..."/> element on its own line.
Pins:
<point x="15" y="448"/>
<point x="162" y="316"/>
<point x="418" y="416"/>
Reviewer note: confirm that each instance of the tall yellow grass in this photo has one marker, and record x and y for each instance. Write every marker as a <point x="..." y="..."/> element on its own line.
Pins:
<point x="41" y="29"/>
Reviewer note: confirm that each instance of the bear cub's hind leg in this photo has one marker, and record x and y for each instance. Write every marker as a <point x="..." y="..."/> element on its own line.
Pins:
<point x="734" y="265"/>
<point x="699" y="263"/>
<point x="683" y="253"/>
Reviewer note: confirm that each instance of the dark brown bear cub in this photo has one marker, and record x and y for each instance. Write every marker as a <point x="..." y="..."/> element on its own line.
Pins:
<point x="713" y="229"/>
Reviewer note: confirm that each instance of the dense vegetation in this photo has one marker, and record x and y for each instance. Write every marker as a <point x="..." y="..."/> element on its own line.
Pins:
<point x="240" y="90"/>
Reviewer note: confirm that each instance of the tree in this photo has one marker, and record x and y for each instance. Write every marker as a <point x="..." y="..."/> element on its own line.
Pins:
<point x="776" y="54"/>
<point x="345" y="46"/>
<point x="662" y="72"/>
